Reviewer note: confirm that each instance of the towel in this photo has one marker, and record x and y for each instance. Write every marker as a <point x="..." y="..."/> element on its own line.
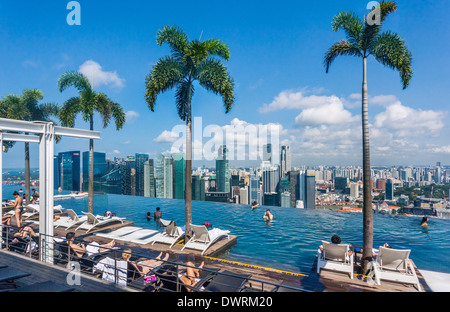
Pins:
<point x="107" y="266"/>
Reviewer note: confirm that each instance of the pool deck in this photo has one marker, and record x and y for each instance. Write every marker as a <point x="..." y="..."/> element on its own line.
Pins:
<point x="326" y="281"/>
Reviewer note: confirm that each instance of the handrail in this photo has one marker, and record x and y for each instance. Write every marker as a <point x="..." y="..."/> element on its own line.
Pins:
<point x="179" y="267"/>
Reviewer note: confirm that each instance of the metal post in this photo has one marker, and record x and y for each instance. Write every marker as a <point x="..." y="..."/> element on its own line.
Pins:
<point x="1" y="188"/>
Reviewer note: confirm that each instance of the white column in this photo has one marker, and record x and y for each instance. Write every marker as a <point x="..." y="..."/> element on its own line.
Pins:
<point x="46" y="193"/>
<point x="1" y="183"/>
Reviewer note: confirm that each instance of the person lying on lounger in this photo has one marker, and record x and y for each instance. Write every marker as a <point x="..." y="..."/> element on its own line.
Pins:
<point x="192" y="274"/>
<point x="25" y="231"/>
<point x="81" y="249"/>
<point x="143" y="267"/>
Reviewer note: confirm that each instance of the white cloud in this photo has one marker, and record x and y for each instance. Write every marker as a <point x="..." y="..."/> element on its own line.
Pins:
<point x="131" y="116"/>
<point x="289" y="99"/>
<point x="167" y="137"/>
<point x="442" y="149"/>
<point x="329" y="113"/>
<point x="93" y="71"/>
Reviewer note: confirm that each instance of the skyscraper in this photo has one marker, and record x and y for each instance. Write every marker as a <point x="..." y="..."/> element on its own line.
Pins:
<point x="285" y="161"/>
<point x="127" y="180"/>
<point x="100" y="171"/>
<point x="69" y="170"/>
<point x="267" y="153"/>
<point x="310" y="200"/>
<point x="164" y="177"/>
<point x="179" y="175"/>
<point x="149" y="178"/>
<point x="254" y="192"/>
<point x="140" y="159"/>
<point x="389" y="193"/>
<point x="223" y="174"/>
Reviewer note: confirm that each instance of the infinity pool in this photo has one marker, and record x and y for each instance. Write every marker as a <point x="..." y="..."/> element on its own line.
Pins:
<point x="290" y="241"/>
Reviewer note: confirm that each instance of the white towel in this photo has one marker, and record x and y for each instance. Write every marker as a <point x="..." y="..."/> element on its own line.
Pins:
<point x="107" y="266"/>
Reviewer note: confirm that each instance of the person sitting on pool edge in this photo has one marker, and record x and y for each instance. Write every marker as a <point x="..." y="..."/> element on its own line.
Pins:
<point x="268" y="216"/>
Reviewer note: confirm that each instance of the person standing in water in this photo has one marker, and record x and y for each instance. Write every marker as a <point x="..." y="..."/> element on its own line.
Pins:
<point x="254" y="205"/>
<point x="424" y="221"/>
<point x="268" y="216"/>
<point x="158" y="213"/>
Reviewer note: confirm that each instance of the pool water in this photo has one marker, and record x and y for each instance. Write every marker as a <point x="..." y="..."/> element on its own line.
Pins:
<point x="290" y="241"/>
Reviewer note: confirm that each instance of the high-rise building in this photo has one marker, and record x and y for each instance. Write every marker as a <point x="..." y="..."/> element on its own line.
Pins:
<point x="340" y="183"/>
<point x="149" y="178"/>
<point x="293" y="182"/>
<point x="254" y="193"/>
<point x="100" y="170"/>
<point x="267" y="153"/>
<point x="140" y="159"/>
<point x="354" y="190"/>
<point x="164" y="177"/>
<point x="389" y="193"/>
<point x="243" y="195"/>
<point x="127" y="180"/>
<point x="196" y="187"/>
<point x="310" y="192"/>
<point x="223" y="174"/>
<point x="270" y="178"/>
<point x="285" y="161"/>
<point x="179" y="175"/>
<point x="69" y="170"/>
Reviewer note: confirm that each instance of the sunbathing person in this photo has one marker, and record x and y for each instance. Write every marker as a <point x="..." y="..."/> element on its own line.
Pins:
<point x="81" y="249"/>
<point x="6" y="219"/>
<point x="25" y="231"/>
<point x="143" y="267"/>
<point x="192" y="275"/>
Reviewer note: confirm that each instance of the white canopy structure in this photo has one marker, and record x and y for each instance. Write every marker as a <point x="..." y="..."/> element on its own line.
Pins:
<point x="43" y="133"/>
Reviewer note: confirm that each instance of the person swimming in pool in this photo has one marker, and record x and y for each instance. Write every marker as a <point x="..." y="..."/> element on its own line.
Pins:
<point x="424" y="221"/>
<point x="149" y="217"/>
<point x="254" y="205"/>
<point x="268" y="216"/>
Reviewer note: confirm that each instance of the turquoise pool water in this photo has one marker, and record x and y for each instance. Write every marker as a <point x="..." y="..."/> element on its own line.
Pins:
<point x="290" y="241"/>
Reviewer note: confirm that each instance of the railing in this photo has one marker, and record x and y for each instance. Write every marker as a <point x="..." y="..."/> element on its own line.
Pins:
<point x="109" y="264"/>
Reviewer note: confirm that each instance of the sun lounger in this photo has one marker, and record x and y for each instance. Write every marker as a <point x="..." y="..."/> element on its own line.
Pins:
<point x="394" y="265"/>
<point x="335" y="257"/>
<point x="225" y="281"/>
<point x="71" y="220"/>
<point x="172" y="234"/>
<point x="202" y="239"/>
<point x="8" y="276"/>
<point x="33" y="210"/>
<point x="96" y="221"/>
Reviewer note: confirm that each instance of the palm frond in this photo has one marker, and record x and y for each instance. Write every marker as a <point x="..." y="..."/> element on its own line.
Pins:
<point x="214" y="77"/>
<point x="351" y="24"/>
<point x="74" y="79"/>
<point x="342" y="47"/>
<point x="183" y="98"/>
<point x="166" y="73"/>
<point x="390" y="50"/>
<point x="69" y="111"/>
<point x="175" y="37"/>
<point x="216" y="47"/>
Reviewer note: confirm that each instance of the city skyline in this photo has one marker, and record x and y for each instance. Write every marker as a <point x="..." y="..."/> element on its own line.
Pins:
<point x="318" y="113"/>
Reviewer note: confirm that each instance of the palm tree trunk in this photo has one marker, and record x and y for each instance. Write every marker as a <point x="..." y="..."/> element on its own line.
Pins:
<point x="188" y="174"/>
<point x="91" y="171"/>
<point x="27" y="173"/>
<point x="367" y="185"/>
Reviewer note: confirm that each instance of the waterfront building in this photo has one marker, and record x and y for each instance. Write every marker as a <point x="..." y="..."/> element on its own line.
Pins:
<point x="164" y="177"/>
<point x="100" y="170"/>
<point x="223" y="174"/>
<point x="149" y="178"/>
<point x="389" y="193"/>
<point x="140" y="159"/>
<point x="285" y="161"/>
<point x="69" y="171"/>
<point x="179" y="173"/>
<point x="128" y="180"/>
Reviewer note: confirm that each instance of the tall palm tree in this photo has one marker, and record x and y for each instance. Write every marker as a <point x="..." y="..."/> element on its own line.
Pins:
<point x="364" y="38"/>
<point x="27" y="107"/>
<point x="189" y="62"/>
<point x="86" y="104"/>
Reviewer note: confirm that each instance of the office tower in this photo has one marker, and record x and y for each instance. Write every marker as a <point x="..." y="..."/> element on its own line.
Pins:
<point x="270" y="179"/>
<point x="133" y="182"/>
<point x="127" y="180"/>
<point x="164" y="177"/>
<point x="381" y="184"/>
<point x="267" y="153"/>
<point x="438" y="175"/>
<point x="285" y="161"/>
<point x="69" y="170"/>
<point x="340" y="183"/>
<point x="293" y="182"/>
<point x="354" y="190"/>
<point x="223" y="171"/>
<point x="310" y="192"/>
<point x="235" y="180"/>
<point x="113" y="181"/>
<point x="285" y="199"/>
<point x="254" y="193"/>
<point x="100" y="171"/>
<point x="178" y="175"/>
<point x="140" y="159"/>
<point x="196" y="187"/>
<point x="271" y="199"/>
<point x="243" y="195"/>
<point x="149" y="178"/>
<point x="389" y="194"/>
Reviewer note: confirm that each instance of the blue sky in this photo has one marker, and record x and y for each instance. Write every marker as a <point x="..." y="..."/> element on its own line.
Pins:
<point x="277" y="50"/>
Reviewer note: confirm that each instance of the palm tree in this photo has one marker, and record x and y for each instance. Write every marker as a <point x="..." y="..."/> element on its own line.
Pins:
<point x="86" y="104"/>
<point x="365" y="38"/>
<point x="27" y="107"/>
<point x="190" y="61"/>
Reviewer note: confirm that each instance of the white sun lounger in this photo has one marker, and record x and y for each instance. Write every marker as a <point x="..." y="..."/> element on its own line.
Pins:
<point x="202" y="239"/>
<point x="394" y="265"/>
<point x="96" y="221"/>
<point x="33" y="210"/>
<point x="335" y="257"/>
<point x="71" y="220"/>
<point x="131" y="234"/>
<point x="172" y="234"/>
